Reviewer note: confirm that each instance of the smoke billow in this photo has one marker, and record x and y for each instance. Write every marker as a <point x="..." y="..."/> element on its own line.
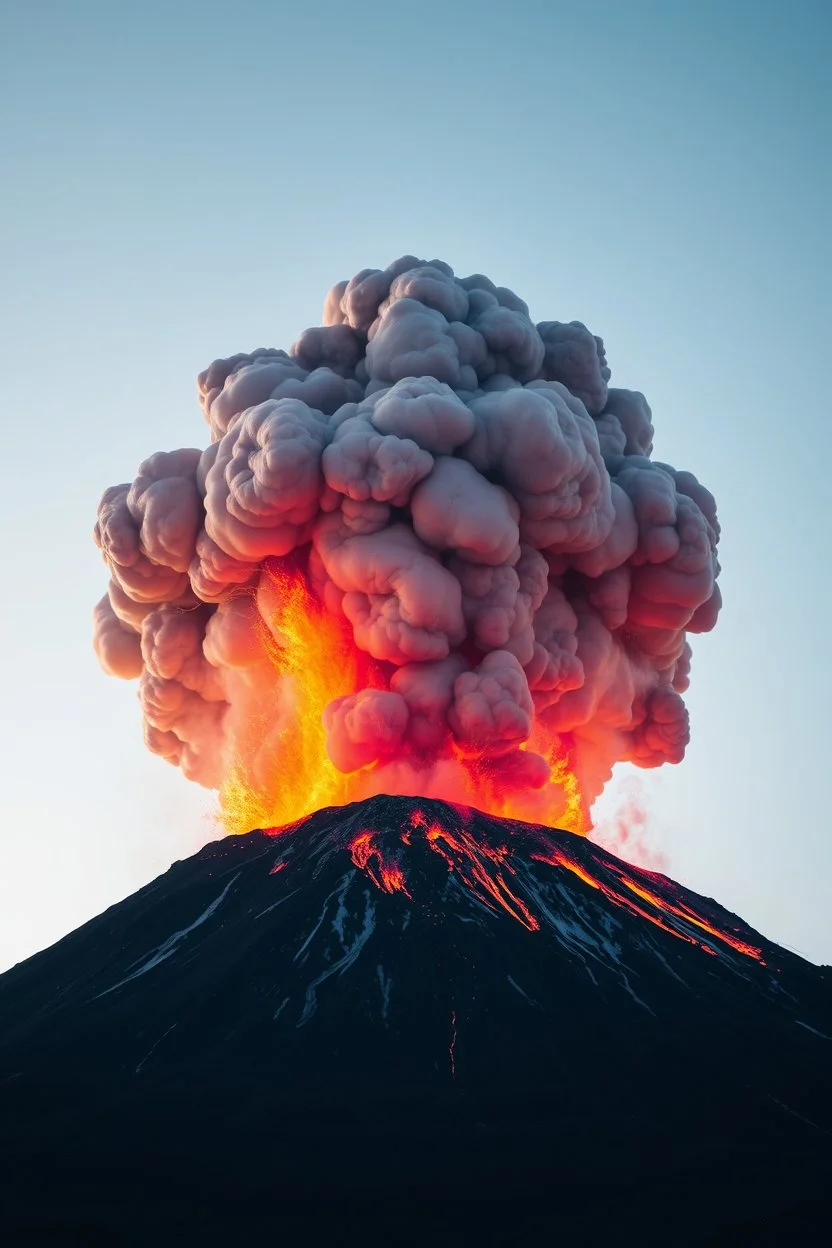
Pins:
<point x="499" y="577"/>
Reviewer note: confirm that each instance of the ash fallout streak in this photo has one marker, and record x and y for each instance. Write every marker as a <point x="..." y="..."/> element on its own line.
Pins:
<point x="426" y="552"/>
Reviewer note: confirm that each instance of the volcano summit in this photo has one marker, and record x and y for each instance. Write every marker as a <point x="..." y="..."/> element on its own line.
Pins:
<point x="402" y="1017"/>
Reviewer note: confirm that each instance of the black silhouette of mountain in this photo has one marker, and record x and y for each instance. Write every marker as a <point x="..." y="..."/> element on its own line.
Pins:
<point x="403" y="1021"/>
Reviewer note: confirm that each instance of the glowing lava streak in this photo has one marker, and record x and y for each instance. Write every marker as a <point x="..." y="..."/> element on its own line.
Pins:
<point x="452" y="1045"/>
<point x="469" y="859"/>
<point x="684" y="912"/>
<point x="483" y="868"/>
<point x="559" y="859"/>
<point x="389" y="877"/>
<point x="488" y="871"/>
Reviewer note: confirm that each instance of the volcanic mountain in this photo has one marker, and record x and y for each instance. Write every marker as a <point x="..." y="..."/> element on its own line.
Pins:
<point x="401" y="1019"/>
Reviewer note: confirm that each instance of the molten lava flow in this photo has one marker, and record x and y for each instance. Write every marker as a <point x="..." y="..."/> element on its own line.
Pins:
<point x="470" y="859"/>
<point x="559" y="859"/>
<point x="491" y="872"/>
<point x="685" y="912"/>
<point x="280" y="769"/>
<point x="388" y="876"/>
<point x="452" y="1045"/>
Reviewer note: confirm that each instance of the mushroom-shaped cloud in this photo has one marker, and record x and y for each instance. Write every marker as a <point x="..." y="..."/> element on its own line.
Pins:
<point x="427" y="550"/>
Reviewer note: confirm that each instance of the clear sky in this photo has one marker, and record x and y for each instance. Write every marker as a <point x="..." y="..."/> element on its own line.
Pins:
<point x="186" y="180"/>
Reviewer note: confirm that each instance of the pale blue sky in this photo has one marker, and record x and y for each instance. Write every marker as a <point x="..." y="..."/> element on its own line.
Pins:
<point x="185" y="180"/>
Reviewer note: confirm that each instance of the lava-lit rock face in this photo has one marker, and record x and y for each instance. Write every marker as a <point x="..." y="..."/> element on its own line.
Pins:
<point x="407" y="997"/>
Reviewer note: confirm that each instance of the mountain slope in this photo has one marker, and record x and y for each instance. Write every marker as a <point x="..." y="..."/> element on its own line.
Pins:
<point x="413" y="1009"/>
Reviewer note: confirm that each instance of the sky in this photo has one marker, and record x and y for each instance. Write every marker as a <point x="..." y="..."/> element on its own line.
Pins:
<point x="186" y="180"/>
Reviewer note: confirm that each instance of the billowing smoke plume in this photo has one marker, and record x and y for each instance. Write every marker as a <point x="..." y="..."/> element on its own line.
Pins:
<point x="452" y="501"/>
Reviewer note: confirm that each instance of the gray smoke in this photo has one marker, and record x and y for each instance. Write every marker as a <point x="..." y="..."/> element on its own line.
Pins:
<point x="468" y="492"/>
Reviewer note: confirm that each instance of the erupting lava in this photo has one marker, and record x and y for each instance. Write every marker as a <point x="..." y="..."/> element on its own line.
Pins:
<point x="498" y="873"/>
<point x="309" y="658"/>
<point x="426" y="552"/>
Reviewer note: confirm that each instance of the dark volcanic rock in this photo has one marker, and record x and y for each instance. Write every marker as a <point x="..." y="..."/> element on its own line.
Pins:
<point x="401" y="1019"/>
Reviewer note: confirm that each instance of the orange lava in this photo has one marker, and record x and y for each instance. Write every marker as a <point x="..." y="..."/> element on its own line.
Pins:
<point x="685" y="912"/>
<point x="388" y="876"/>
<point x="486" y="870"/>
<point x="559" y="859"/>
<point x="469" y="858"/>
<point x="452" y="1045"/>
<point x="311" y="660"/>
<point x="278" y="769"/>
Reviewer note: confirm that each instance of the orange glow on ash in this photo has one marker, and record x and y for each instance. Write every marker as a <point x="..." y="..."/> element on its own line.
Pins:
<point x="279" y="770"/>
<point x="312" y="659"/>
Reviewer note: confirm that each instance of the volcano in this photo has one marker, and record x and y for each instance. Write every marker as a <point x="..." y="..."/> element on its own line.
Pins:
<point x="403" y="1018"/>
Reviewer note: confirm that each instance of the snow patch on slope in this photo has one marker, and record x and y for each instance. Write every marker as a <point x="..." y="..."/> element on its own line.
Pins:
<point x="166" y="950"/>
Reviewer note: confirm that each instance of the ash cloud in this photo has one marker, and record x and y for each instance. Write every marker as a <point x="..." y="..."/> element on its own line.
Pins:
<point x="466" y="492"/>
